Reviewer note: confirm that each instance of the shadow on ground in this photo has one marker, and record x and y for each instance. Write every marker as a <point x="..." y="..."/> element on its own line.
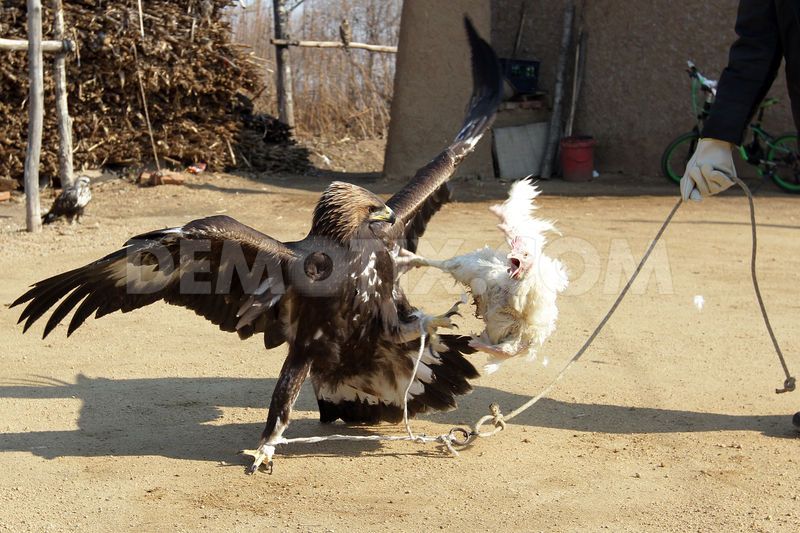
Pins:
<point x="178" y="418"/>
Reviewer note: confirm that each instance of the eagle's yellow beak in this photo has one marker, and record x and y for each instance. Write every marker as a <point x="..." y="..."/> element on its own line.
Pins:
<point x="383" y="215"/>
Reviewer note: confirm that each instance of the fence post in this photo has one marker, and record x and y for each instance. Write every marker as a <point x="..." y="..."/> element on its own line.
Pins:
<point x="65" y="164"/>
<point x="284" y="67"/>
<point x="35" y="117"/>
<point x="554" y="132"/>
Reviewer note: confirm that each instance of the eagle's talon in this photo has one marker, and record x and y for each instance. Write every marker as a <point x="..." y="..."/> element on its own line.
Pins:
<point x="453" y="309"/>
<point x="264" y="452"/>
<point x="437" y="322"/>
<point x="444" y="320"/>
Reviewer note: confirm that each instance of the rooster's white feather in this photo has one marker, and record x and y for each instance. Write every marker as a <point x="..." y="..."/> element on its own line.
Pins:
<point x="514" y="293"/>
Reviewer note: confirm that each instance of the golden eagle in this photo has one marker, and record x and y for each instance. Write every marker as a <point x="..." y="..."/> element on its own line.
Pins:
<point x="333" y="297"/>
<point x="71" y="202"/>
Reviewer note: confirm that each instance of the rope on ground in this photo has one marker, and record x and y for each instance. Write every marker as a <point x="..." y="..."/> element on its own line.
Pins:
<point x="448" y="439"/>
<point x="462" y="437"/>
<point x="789" y="384"/>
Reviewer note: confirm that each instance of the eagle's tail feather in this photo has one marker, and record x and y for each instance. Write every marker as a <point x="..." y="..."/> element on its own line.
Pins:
<point x="357" y="412"/>
<point x="449" y="375"/>
<point x="49" y="218"/>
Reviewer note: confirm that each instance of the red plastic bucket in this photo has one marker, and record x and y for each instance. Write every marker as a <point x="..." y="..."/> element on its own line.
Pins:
<point x="577" y="158"/>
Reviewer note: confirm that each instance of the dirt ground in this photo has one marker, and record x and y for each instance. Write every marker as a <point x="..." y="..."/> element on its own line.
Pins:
<point x="668" y="423"/>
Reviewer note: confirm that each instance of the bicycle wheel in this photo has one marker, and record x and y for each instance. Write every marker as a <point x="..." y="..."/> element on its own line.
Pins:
<point x="677" y="155"/>
<point x="783" y="162"/>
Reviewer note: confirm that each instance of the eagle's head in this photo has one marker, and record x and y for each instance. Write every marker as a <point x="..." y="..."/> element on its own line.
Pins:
<point x="345" y="210"/>
<point x="83" y="183"/>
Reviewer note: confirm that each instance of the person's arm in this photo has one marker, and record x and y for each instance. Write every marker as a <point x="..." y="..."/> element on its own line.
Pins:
<point x="753" y="63"/>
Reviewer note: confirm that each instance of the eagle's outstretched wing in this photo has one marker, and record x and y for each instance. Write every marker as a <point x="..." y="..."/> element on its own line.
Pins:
<point x="427" y="191"/>
<point x="225" y="271"/>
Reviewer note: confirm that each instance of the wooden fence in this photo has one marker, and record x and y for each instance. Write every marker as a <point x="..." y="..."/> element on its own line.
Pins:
<point x="36" y="47"/>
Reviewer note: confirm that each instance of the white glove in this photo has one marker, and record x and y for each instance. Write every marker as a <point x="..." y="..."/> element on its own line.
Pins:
<point x="709" y="170"/>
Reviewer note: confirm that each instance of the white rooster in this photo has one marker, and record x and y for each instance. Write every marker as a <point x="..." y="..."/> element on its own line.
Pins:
<point x="514" y="293"/>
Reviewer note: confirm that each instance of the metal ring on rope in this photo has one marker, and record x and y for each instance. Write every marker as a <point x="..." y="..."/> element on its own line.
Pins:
<point x="466" y="436"/>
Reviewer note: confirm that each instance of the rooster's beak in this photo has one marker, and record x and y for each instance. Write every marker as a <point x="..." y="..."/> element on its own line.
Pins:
<point x="514" y="266"/>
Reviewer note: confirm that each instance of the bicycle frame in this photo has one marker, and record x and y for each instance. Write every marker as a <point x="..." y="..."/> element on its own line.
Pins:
<point x="755" y="151"/>
<point x="700" y="83"/>
<point x="776" y="157"/>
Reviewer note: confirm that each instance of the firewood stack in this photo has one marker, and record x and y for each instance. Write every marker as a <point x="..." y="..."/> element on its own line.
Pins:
<point x="197" y="88"/>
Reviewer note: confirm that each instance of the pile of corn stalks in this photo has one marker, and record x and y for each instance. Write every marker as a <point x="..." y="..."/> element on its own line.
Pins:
<point x="197" y="87"/>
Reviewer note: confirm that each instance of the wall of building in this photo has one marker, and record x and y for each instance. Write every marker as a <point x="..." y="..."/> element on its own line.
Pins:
<point x="635" y="96"/>
<point x="433" y="82"/>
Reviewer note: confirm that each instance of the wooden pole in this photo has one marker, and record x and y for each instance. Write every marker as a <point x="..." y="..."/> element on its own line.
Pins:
<point x="48" y="47"/>
<point x="284" y="67"/>
<point x="520" y="26"/>
<point x="141" y="18"/>
<point x="335" y="44"/>
<point x="146" y="112"/>
<point x="577" y="80"/>
<point x="65" y="164"/>
<point x="35" y="117"/>
<point x="554" y="132"/>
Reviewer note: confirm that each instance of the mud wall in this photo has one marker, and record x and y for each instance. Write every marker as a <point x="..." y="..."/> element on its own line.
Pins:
<point x="433" y="84"/>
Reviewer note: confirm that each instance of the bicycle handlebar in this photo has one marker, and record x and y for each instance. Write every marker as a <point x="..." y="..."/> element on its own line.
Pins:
<point x="707" y="84"/>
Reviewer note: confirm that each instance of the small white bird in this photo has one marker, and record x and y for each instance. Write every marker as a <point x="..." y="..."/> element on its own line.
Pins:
<point x="71" y="202"/>
<point x="514" y="293"/>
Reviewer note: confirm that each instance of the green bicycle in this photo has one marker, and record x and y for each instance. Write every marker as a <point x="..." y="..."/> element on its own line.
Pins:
<point x="776" y="158"/>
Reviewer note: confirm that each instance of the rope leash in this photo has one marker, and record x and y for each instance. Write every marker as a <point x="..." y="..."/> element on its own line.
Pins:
<point x="790" y="383"/>
<point x="462" y="437"/>
<point x="422" y="338"/>
<point x="447" y="439"/>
